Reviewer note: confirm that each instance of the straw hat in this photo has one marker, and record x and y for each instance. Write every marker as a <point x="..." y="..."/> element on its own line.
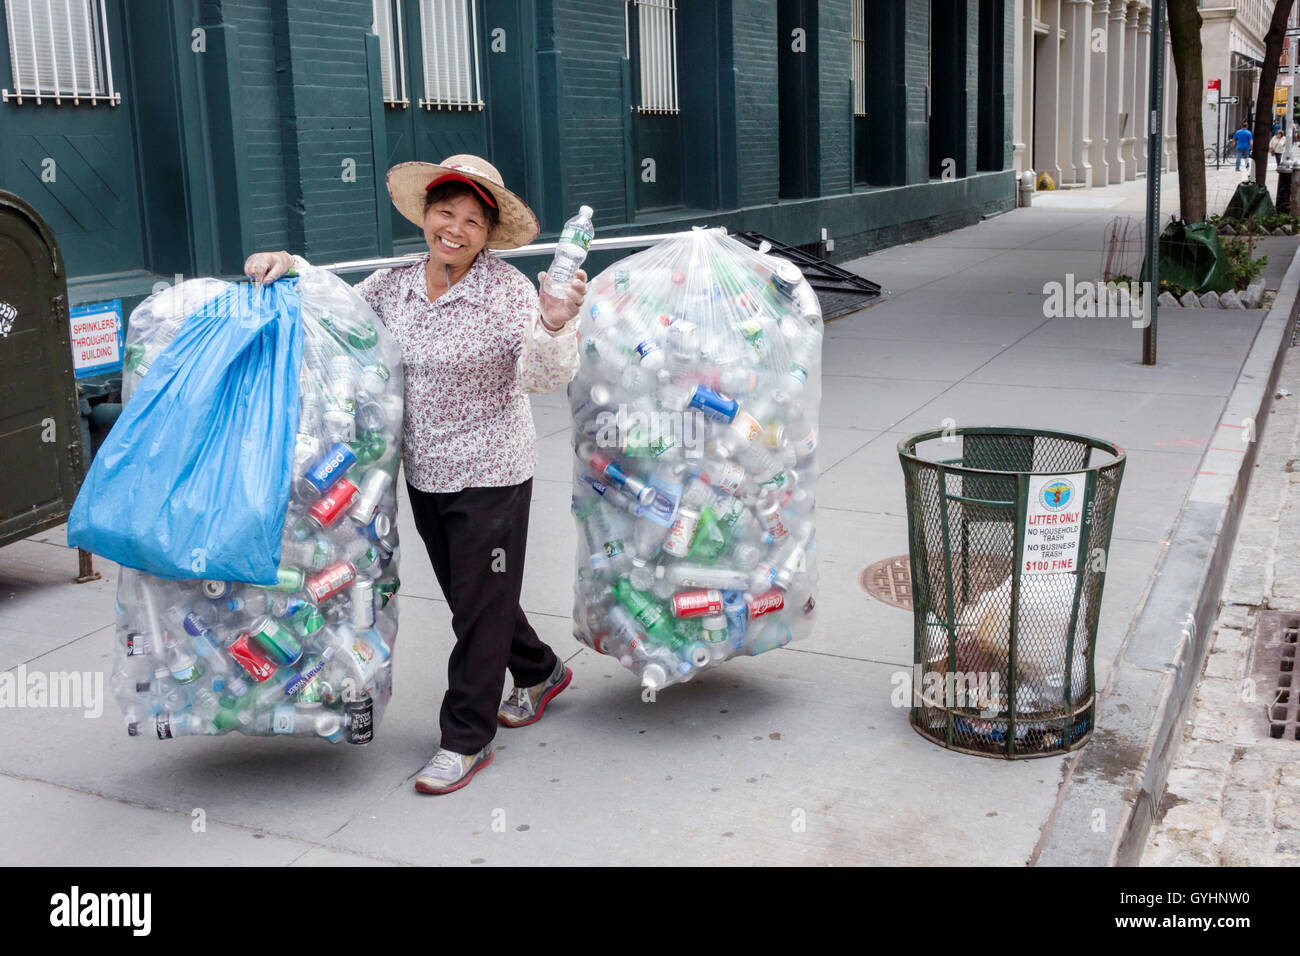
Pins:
<point x="408" y="184"/>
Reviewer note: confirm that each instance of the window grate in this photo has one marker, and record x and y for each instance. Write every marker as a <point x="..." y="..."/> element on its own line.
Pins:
<point x="387" y="25"/>
<point x="449" y="37"/>
<point x="656" y="29"/>
<point x="58" y="50"/>
<point x="858" y="39"/>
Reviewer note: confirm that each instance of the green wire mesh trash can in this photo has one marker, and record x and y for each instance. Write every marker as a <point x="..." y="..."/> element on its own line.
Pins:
<point x="1002" y="519"/>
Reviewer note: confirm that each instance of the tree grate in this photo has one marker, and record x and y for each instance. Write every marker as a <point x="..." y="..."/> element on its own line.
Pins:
<point x="1274" y="672"/>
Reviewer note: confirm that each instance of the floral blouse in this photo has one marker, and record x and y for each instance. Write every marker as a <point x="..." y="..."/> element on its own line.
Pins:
<point x="470" y="357"/>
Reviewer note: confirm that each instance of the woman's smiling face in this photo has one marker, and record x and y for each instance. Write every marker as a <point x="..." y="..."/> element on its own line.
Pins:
<point x="456" y="229"/>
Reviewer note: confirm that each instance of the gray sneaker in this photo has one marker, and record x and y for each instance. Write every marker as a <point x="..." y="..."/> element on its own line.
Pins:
<point x="449" y="771"/>
<point x="524" y="706"/>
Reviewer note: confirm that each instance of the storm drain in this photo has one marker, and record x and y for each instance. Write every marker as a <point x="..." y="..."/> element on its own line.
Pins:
<point x="1276" y="634"/>
<point x="889" y="581"/>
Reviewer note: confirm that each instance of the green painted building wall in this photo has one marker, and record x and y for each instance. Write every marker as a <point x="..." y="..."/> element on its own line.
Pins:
<point x="259" y="124"/>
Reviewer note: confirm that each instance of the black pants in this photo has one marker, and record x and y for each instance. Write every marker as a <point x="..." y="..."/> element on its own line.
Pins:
<point x="475" y="539"/>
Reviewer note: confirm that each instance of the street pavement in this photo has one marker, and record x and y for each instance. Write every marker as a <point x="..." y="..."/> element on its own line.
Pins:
<point x="1233" y="797"/>
<point x="798" y="756"/>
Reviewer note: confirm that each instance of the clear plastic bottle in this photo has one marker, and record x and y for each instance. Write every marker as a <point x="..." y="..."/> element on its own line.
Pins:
<point x="571" y="248"/>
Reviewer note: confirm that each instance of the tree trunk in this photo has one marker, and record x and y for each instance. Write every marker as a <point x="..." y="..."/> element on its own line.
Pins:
<point x="1263" y="131"/>
<point x="1185" y="47"/>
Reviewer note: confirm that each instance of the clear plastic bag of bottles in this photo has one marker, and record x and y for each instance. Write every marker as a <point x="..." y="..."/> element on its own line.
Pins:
<point x="695" y="439"/>
<point x="312" y="655"/>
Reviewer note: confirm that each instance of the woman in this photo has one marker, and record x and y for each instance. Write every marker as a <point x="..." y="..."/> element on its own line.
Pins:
<point x="475" y="337"/>
<point x="1276" y="145"/>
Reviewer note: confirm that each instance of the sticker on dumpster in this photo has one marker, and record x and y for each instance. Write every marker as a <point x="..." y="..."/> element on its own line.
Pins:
<point x="7" y="315"/>
<point x="1053" y="521"/>
<point x="97" y="338"/>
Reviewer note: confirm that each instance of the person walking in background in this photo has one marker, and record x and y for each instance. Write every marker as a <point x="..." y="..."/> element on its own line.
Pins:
<point x="1244" y="141"/>
<point x="1276" y="145"/>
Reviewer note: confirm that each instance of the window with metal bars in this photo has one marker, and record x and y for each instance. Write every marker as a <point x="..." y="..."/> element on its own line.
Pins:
<point x="656" y="60"/>
<point x="388" y="27"/>
<point x="858" y="39"/>
<point x="449" y="41"/>
<point x="58" y="50"/>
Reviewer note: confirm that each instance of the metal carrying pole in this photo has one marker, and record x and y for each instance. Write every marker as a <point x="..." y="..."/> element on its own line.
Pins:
<point x="1155" y="125"/>
<point x="535" y="249"/>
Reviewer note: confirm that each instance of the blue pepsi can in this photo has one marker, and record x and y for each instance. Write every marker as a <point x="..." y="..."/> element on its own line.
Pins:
<point x="332" y="466"/>
<point x="714" y="405"/>
<point x="737" y="613"/>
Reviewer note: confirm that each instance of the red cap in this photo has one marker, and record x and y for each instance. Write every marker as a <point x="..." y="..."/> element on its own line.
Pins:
<point x="458" y="178"/>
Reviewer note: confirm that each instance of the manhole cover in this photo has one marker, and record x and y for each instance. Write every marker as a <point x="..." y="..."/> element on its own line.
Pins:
<point x="889" y="581"/>
<point x="1273" y="669"/>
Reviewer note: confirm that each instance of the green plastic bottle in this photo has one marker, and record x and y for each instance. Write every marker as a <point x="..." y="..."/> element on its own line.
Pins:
<point x="648" y="612"/>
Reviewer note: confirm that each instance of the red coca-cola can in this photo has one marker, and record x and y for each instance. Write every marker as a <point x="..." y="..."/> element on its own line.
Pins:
<point x="330" y="580"/>
<point x="250" y="657"/>
<point x="697" y="603"/>
<point x="766" y="602"/>
<point x="330" y="506"/>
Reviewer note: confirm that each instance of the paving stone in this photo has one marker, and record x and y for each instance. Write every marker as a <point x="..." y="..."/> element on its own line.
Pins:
<point x="1196" y="817"/>
<point x="1218" y="693"/>
<point x="1212" y="725"/>
<point x="1210" y="300"/>
<point x="1231" y="300"/>
<point x="1246" y="808"/>
<point x="1247" y="848"/>
<point x="1261" y="775"/>
<point x="1206" y="755"/>
<point x="1166" y="300"/>
<point x="1188" y="300"/>
<point x="1287" y="818"/>
<point x="1195" y="785"/>
<point x="1226" y="665"/>
<point x="1233" y="617"/>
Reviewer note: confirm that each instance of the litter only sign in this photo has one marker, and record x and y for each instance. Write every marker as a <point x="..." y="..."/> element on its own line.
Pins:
<point x="97" y="338"/>
<point x="1053" y="523"/>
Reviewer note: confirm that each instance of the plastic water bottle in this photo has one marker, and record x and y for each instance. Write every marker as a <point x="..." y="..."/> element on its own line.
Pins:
<point x="571" y="249"/>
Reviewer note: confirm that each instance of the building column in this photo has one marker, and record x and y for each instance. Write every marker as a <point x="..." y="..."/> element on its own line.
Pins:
<point x="1065" y="100"/>
<point x="1130" y="87"/>
<point x="1047" y="107"/>
<point x="1171" y="109"/>
<point x="1097" y="93"/>
<point x="1022" y="90"/>
<point x="1142" y="79"/>
<point x="1114" y="84"/>
<point x="1078" y="41"/>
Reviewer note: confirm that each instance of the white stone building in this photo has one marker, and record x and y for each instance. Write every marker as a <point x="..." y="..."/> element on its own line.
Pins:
<point x="1232" y="49"/>
<point x="1081" y="73"/>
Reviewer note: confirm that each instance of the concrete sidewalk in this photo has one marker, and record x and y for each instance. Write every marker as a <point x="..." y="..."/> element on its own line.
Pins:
<point x="797" y="756"/>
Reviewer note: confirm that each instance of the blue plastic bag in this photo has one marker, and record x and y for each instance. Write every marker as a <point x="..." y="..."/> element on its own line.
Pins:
<point x="193" y="480"/>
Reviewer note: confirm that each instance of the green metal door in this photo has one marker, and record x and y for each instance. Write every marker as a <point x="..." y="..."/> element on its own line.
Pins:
<point x="797" y="92"/>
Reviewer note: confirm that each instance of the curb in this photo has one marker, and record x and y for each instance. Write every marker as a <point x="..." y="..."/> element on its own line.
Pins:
<point x="1111" y="788"/>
